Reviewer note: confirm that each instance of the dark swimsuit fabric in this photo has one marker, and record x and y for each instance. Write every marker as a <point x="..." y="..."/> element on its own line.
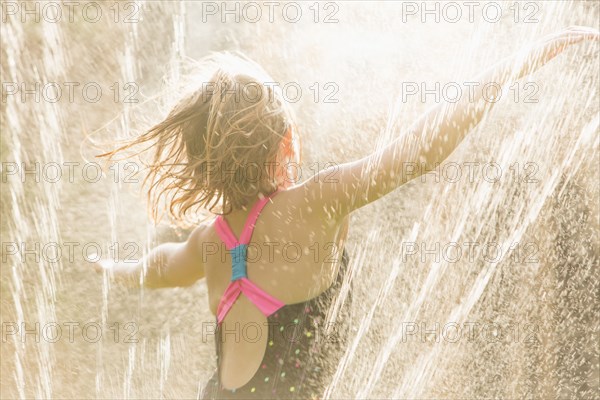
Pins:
<point x="303" y="349"/>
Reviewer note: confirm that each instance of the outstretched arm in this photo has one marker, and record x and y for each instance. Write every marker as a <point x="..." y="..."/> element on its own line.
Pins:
<point x="167" y="265"/>
<point x="432" y="138"/>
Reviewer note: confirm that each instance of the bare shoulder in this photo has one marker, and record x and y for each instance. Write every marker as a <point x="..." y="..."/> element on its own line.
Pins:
<point x="299" y="218"/>
<point x="303" y="201"/>
<point x="200" y="235"/>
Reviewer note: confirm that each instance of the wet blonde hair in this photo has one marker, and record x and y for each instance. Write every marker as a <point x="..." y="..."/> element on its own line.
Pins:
<point x="218" y="147"/>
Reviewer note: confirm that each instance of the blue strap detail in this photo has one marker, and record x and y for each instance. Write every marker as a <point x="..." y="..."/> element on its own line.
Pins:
<point x="238" y="261"/>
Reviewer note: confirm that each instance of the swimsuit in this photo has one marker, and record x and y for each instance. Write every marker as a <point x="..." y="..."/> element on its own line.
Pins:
<point x="303" y="344"/>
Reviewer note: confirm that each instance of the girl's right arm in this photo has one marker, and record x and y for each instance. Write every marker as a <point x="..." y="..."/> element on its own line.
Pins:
<point x="167" y="265"/>
<point x="431" y="139"/>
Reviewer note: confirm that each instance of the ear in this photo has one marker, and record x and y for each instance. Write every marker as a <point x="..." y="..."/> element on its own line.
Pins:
<point x="286" y="155"/>
<point x="285" y="147"/>
<point x="295" y="145"/>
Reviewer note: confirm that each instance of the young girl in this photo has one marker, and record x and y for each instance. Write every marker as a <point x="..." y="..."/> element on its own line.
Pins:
<point x="274" y="257"/>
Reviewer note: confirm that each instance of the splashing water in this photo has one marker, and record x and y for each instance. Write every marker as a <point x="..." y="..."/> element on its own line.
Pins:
<point x="514" y="316"/>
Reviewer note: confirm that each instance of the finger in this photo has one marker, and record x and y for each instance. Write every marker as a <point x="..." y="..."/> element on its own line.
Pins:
<point x="575" y="33"/>
<point x="576" y="28"/>
<point x="565" y="40"/>
<point x="576" y="38"/>
<point x="586" y="29"/>
<point x="585" y="33"/>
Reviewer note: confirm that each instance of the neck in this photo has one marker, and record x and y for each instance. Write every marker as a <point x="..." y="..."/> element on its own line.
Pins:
<point x="245" y="209"/>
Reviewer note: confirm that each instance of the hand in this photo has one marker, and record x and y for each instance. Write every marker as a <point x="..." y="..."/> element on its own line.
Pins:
<point x="542" y="51"/>
<point x="100" y="265"/>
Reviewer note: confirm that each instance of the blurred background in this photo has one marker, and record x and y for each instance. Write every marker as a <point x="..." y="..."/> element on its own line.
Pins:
<point x="427" y="325"/>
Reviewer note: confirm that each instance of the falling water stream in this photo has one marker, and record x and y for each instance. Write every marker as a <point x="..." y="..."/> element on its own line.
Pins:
<point x="479" y="280"/>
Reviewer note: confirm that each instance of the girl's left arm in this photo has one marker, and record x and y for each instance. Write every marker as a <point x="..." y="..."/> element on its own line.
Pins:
<point x="167" y="265"/>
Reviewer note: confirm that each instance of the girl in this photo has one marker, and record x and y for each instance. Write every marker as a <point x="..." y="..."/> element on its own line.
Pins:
<point x="274" y="257"/>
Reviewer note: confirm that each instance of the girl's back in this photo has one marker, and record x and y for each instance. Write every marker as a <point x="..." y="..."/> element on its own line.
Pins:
<point x="295" y="257"/>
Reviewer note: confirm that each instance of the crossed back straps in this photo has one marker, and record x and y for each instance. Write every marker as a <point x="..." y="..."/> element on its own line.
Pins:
<point x="238" y="249"/>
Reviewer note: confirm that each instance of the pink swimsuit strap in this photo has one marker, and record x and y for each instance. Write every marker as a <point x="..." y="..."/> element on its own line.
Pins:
<point x="239" y="278"/>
